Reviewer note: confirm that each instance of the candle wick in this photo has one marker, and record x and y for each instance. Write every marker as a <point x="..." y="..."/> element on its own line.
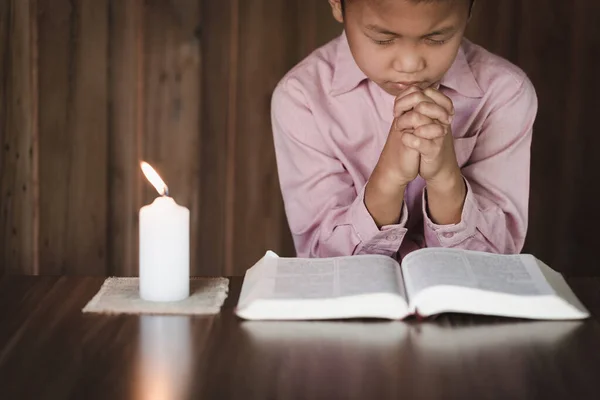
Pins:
<point x="166" y="192"/>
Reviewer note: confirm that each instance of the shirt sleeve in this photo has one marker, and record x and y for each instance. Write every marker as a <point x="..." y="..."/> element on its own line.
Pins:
<point x="495" y="212"/>
<point x="325" y="211"/>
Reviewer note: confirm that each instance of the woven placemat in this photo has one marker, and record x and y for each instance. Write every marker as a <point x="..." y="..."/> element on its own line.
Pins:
<point x="122" y="296"/>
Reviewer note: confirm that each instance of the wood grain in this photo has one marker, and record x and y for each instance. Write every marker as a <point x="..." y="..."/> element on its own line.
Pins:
<point x="490" y="17"/>
<point x="580" y="175"/>
<point x="306" y="26"/>
<point x="19" y="125"/>
<point x="327" y="27"/>
<point x="126" y="133"/>
<point x="232" y="126"/>
<point x="73" y="135"/>
<point x="264" y="59"/>
<point x="70" y="355"/>
<point x="219" y="85"/>
<point x="556" y="55"/>
<point x="5" y="15"/>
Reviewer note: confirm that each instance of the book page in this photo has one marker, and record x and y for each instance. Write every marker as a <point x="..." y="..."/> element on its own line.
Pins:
<point x="508" y="274"/>
<point x="297" y="278"/>
<point x="381" y="275"/>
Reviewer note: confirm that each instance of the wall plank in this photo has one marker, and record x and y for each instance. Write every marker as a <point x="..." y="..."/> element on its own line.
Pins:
<point x="327" y="26"/>
<point x="307" y="26"/>
<point x="73" y="135"/>
<point x="583" y="158"/>
<point x="495" y="25"/>
<point x="5" y="14"/>
<point x="219" y="49"/>
<point x="18" y="124"/>
<point x="576" y="243"/>
<point x="538" y="52"/>
<point x="263" y="59"/>
<point x="125" y="134"/>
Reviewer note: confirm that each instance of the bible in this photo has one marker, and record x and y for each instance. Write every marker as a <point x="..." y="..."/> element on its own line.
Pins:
<point x="427" y="282"/>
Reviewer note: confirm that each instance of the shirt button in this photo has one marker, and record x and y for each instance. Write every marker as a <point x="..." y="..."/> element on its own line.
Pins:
<point x="392" y="238"/>
<point x="448" y="235"/>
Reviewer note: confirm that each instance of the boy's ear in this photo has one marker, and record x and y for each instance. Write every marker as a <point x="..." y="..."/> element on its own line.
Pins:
<point x="471" y="10"/>
<point x="336" y="10"/>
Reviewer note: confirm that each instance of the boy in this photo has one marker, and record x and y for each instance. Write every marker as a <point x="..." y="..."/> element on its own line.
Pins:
<point x="402" y="134"/>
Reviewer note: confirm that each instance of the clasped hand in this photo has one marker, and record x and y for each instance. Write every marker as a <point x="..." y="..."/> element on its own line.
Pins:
<point x="420" y="140"/>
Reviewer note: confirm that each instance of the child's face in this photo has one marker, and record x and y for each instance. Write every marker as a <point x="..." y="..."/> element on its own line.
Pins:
<point x="398" y="43"/>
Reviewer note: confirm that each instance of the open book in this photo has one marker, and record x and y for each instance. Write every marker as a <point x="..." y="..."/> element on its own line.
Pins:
<point x="428" y="282"/>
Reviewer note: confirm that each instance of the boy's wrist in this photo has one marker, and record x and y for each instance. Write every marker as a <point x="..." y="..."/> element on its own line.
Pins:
<point x="445" y="199"/>
<point x="384" y="201"/>
<point x="448" y="184"/>
<point x="386" y="184"/>
<point x="388" y="180"/>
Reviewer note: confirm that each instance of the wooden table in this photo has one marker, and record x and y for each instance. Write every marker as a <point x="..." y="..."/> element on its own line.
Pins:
<point x="50" y="350"/>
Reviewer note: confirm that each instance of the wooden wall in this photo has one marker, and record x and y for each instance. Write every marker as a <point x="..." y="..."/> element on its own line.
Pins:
<point x="90" y="87"/>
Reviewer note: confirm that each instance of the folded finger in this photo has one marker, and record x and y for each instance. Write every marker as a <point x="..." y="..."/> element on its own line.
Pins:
<point x="431" y="131"/>
<point x="410" y="101"/>
<point x="434" y="111"/>
<point x="411" y="120"/>
<point x="441" y="99"/>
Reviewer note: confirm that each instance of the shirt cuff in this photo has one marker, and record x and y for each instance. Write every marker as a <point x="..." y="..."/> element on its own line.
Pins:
<point x="451" y="235"/>
<point x="373" y="240"/>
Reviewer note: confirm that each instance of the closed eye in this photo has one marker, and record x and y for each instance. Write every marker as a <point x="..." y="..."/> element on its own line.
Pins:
<point x="435" y="42"/>
<point x="383" y="42"/>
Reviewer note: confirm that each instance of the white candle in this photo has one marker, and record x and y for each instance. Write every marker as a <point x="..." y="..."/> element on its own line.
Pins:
<point x="164" y="246"/>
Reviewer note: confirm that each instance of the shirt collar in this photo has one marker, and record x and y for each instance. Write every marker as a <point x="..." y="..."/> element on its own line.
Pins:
<point x="347" y="75"/>
<point x="460" y="77"/>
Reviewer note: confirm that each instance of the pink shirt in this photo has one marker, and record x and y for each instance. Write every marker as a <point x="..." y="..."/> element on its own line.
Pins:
<point x="330" y="124"/>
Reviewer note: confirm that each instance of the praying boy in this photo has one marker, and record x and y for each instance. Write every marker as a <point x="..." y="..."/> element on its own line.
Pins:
<point x="402" y="134"/>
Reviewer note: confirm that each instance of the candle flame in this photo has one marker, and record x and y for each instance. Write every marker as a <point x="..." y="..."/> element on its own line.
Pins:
<point x="154" y="179"/>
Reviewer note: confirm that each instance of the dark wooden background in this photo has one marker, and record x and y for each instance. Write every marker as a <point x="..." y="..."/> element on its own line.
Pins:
<point x="90" y="87"/>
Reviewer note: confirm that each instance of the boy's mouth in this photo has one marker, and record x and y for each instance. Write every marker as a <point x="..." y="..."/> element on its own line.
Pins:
<point x="395" y="88"/>
<point x="400" y="86"/>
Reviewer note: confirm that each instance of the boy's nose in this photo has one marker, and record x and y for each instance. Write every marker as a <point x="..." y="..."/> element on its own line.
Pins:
<point x="407" y="62"/>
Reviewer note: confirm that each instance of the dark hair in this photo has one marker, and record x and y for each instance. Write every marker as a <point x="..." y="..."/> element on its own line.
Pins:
<point x="414" y="1"/>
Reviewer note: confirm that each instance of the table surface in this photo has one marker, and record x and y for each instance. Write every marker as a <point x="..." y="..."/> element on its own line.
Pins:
<point x="50" y="350"/>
